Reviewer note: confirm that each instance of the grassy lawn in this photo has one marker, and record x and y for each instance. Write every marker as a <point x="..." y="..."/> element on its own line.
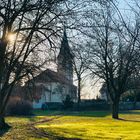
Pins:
<point x="95" y="125"/>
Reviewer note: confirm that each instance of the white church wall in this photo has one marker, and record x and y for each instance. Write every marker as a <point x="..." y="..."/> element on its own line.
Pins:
<point x="52" y="92"/>
<point x="38" y="104"/>
<point x="56" y="97"/>
<point x="57" y="92"/>
<point x="53" y="95"/>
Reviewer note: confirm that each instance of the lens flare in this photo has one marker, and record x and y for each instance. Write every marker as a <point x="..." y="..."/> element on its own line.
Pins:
<point x="11" y="37"/>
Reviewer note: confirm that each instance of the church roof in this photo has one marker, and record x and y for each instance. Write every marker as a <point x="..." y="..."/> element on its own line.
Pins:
<point x="51" y="76"/>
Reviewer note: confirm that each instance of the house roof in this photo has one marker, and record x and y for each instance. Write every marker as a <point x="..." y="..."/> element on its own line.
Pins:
<point x="51" y="76"/>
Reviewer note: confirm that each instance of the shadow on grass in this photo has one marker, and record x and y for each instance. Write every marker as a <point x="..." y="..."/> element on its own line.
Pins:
<point x="73" y="113"/>
<point x="32" y="119"/>
<point x="40" y="133"/>
<point x="5" y="130"/>
<point x="64" y="138"/>
<point x="128" y="120"/>
<point x="88" y="113"/>
<point x="131" y="112"/>
<point x="43" y="120"/>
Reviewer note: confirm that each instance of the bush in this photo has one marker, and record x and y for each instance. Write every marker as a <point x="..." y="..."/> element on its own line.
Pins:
<point x="51" y="106"/>
<point x="68" y="103"/>
<point x="17" y="106"/>
<point x="44" y="106"/>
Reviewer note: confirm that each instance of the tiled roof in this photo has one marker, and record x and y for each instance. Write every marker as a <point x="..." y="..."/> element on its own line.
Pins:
<point x="51" y="76"/>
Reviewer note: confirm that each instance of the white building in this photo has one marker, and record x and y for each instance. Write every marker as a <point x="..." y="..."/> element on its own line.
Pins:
<point x="51" y="86"/>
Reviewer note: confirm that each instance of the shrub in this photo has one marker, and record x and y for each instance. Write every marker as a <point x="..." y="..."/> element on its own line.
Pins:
<point x="17" y="106"/>
<point x="52" y="106"/>
<point x="44" y="106"/>
<point x="68" y="103"/>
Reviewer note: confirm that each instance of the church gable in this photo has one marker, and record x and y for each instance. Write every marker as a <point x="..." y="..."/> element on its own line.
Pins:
<point x="51" y="76"/>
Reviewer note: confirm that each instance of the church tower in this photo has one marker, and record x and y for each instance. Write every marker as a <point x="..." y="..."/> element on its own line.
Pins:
<point x="65" y="59"/>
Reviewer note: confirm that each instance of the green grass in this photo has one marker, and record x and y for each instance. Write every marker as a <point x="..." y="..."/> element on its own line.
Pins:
<point x="91" y="125"/>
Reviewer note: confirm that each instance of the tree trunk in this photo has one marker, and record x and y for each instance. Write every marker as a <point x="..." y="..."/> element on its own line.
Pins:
<point x="135" y="100"/>
<point x="115" y="110"/>
<point x="79" y="93"/>
<point x="3" y="125"/>
<point x="79" y="90"/>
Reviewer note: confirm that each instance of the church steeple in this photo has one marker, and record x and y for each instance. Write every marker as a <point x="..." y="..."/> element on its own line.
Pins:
<point x="65" y="49"/>
<point x="65" y="59"/>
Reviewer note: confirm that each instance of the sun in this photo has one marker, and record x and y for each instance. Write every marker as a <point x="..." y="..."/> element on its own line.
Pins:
<point x="11" y="37"/>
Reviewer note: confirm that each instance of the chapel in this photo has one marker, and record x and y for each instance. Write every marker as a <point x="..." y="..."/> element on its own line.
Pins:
<point x="54" y="86"/>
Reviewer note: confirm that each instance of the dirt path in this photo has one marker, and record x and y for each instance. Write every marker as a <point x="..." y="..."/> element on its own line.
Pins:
<point x="42" y="133"/>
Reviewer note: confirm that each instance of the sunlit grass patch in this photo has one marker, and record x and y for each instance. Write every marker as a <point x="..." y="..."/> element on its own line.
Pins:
<point x="107" y="130"/>
<point x="90" y="125"/>
<point x="94" y="127"/>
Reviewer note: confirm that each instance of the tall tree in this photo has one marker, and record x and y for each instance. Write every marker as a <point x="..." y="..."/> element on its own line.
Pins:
<point x="26" y="28"/>
<point x="115" y="54"/>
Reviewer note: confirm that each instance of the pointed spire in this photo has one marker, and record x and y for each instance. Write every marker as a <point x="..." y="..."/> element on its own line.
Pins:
<point x="64" y="43"/>
<point x="65" y="58"/>
<point x="65" y="49"/>
<point x="64" y="34"/>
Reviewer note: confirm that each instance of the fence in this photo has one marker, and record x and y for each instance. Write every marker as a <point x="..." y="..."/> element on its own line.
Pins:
<point x="92" y="105"/>
<point x="103" y="105"/>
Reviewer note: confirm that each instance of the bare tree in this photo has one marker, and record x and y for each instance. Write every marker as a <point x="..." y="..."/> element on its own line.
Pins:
<point x="26" y="28"/>
<point x="115" y="52"/>
<point x="80" y="64"/>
